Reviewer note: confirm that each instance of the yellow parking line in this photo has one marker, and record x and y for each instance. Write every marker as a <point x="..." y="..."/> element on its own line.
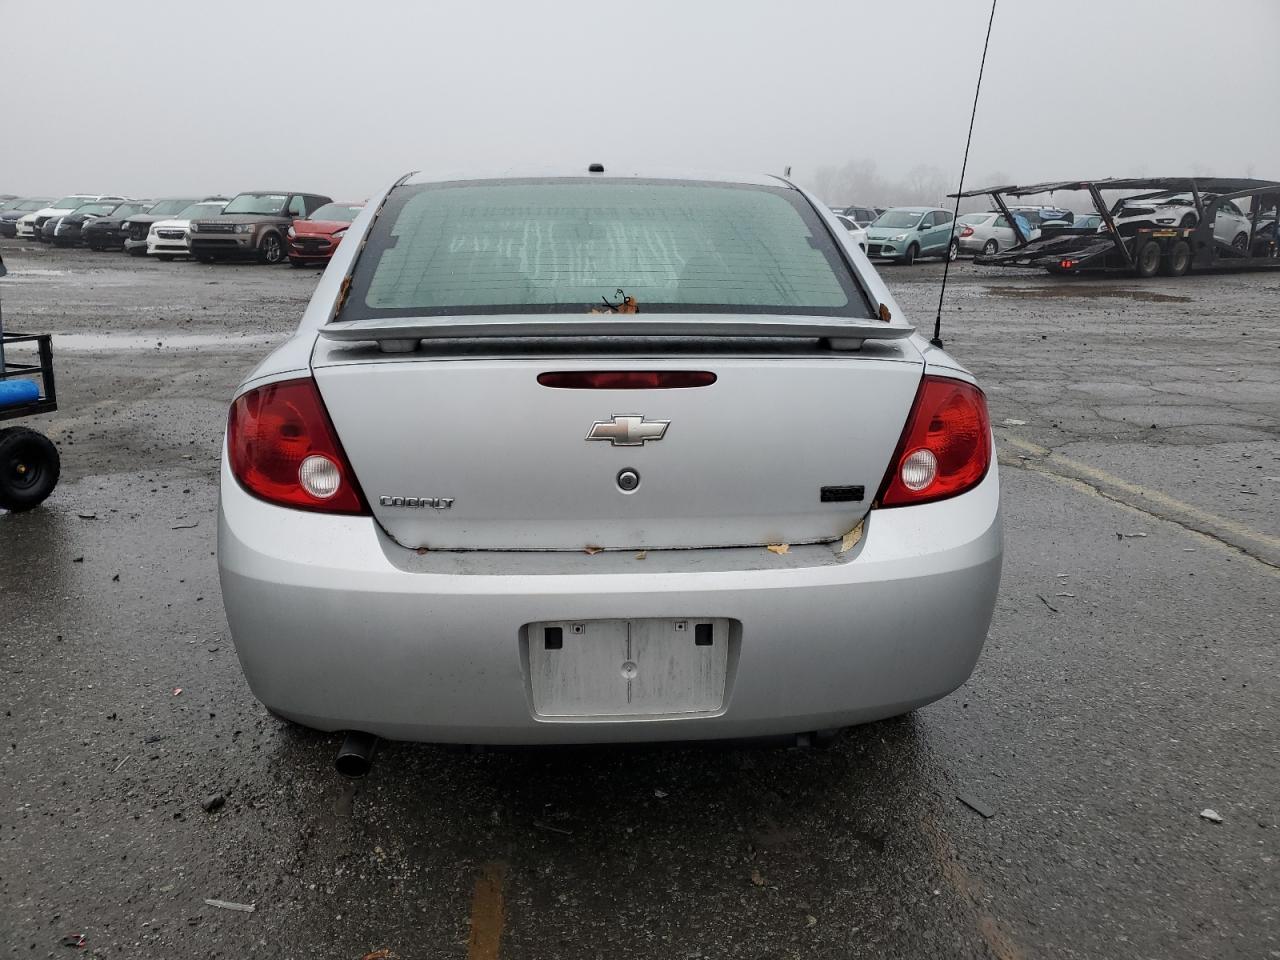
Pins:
<point x="488" y="913"/>
<point x="1204" y="521"/>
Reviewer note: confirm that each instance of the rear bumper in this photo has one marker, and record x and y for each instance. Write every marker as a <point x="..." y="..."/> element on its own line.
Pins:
<point x="338" y="627"/>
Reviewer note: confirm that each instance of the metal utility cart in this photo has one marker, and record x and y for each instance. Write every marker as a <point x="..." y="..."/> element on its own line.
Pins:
<point x="29" y="462"/>
<point x="1144" y="250"/>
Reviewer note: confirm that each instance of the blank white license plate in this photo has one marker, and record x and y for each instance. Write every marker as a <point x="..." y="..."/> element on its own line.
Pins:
<point x="593" y="668"/>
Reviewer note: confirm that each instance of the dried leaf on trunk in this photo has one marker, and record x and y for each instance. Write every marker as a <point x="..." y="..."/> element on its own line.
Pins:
<point x="850" y="539"/>
<point x="779" y="548"/>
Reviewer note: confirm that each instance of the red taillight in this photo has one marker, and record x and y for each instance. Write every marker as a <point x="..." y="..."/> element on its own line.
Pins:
<point x="283" y="449"/>
<point x="1067" y="264"/>
<point x="967" y="232"/>
<point x="945" y="448"/>
<point x="626" y="379"/>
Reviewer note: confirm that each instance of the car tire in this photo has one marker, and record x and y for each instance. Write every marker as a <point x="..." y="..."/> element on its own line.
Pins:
<point x="910" y="256"/>
<point x="1240" y="242"/>
<point x="29" y="468"/>
<point x="1188" y="220"/>
<point x="166" y="257"/>
<point x="990" y="248"/>
<point x="1177" y="259"/>
<point x="137" y="251"/>
<point x="271" y="248"/>
<point x="1146" y="259"/>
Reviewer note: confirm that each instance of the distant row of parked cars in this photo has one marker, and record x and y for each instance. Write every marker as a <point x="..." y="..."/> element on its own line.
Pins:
<point x="267" y="225"/>
<point x="907" y="234"/>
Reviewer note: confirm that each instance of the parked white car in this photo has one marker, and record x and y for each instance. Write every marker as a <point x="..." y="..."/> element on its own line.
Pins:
<point x="1230" y="223"/>
<point x="171" y="238"/>
<point x="29" y="226"/>
<point x="987" y="233"/>
<point x="859" y="234"/>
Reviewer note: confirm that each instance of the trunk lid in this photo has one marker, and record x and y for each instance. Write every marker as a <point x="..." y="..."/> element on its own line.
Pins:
<point x="473" y="453"/>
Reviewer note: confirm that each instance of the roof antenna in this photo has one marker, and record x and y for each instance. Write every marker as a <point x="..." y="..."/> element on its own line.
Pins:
<point x="937" y="323"/>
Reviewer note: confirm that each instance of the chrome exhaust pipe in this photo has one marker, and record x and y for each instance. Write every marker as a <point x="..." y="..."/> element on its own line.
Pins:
<point x="355" y="758"/>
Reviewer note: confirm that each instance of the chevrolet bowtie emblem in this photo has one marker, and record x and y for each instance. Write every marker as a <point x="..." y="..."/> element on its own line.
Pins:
<point x="628" y="431"/>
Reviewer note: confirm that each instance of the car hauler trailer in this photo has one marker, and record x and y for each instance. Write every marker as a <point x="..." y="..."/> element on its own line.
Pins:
<point x="1144" y="249"/>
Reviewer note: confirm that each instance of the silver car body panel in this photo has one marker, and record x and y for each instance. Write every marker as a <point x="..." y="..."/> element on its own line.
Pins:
<point x="340" y="626"/>
<point x="735" y="467"/>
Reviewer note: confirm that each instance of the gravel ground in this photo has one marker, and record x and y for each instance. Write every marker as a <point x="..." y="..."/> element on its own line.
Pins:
<point x="1130" y="682"/>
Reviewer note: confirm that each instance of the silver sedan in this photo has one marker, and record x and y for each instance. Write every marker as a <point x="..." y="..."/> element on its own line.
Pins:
<point x="594" y="458"/>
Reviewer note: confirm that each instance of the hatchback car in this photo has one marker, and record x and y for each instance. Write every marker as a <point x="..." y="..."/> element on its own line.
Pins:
<point x="906" y="234"/>
<point x="1230" y="224"/>
<point x="605" y="458"/>
<point x="314" y="239"/>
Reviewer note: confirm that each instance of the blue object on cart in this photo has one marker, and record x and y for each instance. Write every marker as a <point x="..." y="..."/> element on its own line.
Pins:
<point x="13" y="392"/>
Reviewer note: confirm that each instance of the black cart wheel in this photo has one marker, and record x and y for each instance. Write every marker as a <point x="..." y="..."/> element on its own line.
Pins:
<point x="1177" y="259"/>
<point x="1146" y="261"/>
<point x="990" y="248"/>
<point x="29" y="468"/>
<point x="272" y="250"/>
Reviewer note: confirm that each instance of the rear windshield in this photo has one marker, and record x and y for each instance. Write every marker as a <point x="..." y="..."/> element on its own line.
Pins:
<point x="567" y="245"/>
<point x="345" y="212"/>
<point x="71" y="202"/>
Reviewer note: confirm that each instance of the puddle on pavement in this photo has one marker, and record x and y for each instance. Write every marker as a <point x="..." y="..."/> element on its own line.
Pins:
<point x="1086" y="292"/>
<point x="106" y="342"/>
<point x="32" y="275"/>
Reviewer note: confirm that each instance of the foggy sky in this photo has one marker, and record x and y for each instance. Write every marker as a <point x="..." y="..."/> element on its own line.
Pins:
<point x="151" y="98"/>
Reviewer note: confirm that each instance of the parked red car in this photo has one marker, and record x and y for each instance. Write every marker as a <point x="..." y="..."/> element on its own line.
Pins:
<point x="313" y="240"/>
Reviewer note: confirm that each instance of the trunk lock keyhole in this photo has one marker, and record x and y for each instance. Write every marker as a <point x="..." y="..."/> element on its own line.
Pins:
<point x="628" y="480"/>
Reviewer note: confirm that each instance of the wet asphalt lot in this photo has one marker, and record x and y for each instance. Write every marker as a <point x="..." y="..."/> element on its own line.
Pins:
<point x="1129" y="682"/>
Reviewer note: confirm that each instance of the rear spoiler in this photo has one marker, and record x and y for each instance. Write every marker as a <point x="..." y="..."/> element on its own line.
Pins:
<point x="402" y="335"/>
